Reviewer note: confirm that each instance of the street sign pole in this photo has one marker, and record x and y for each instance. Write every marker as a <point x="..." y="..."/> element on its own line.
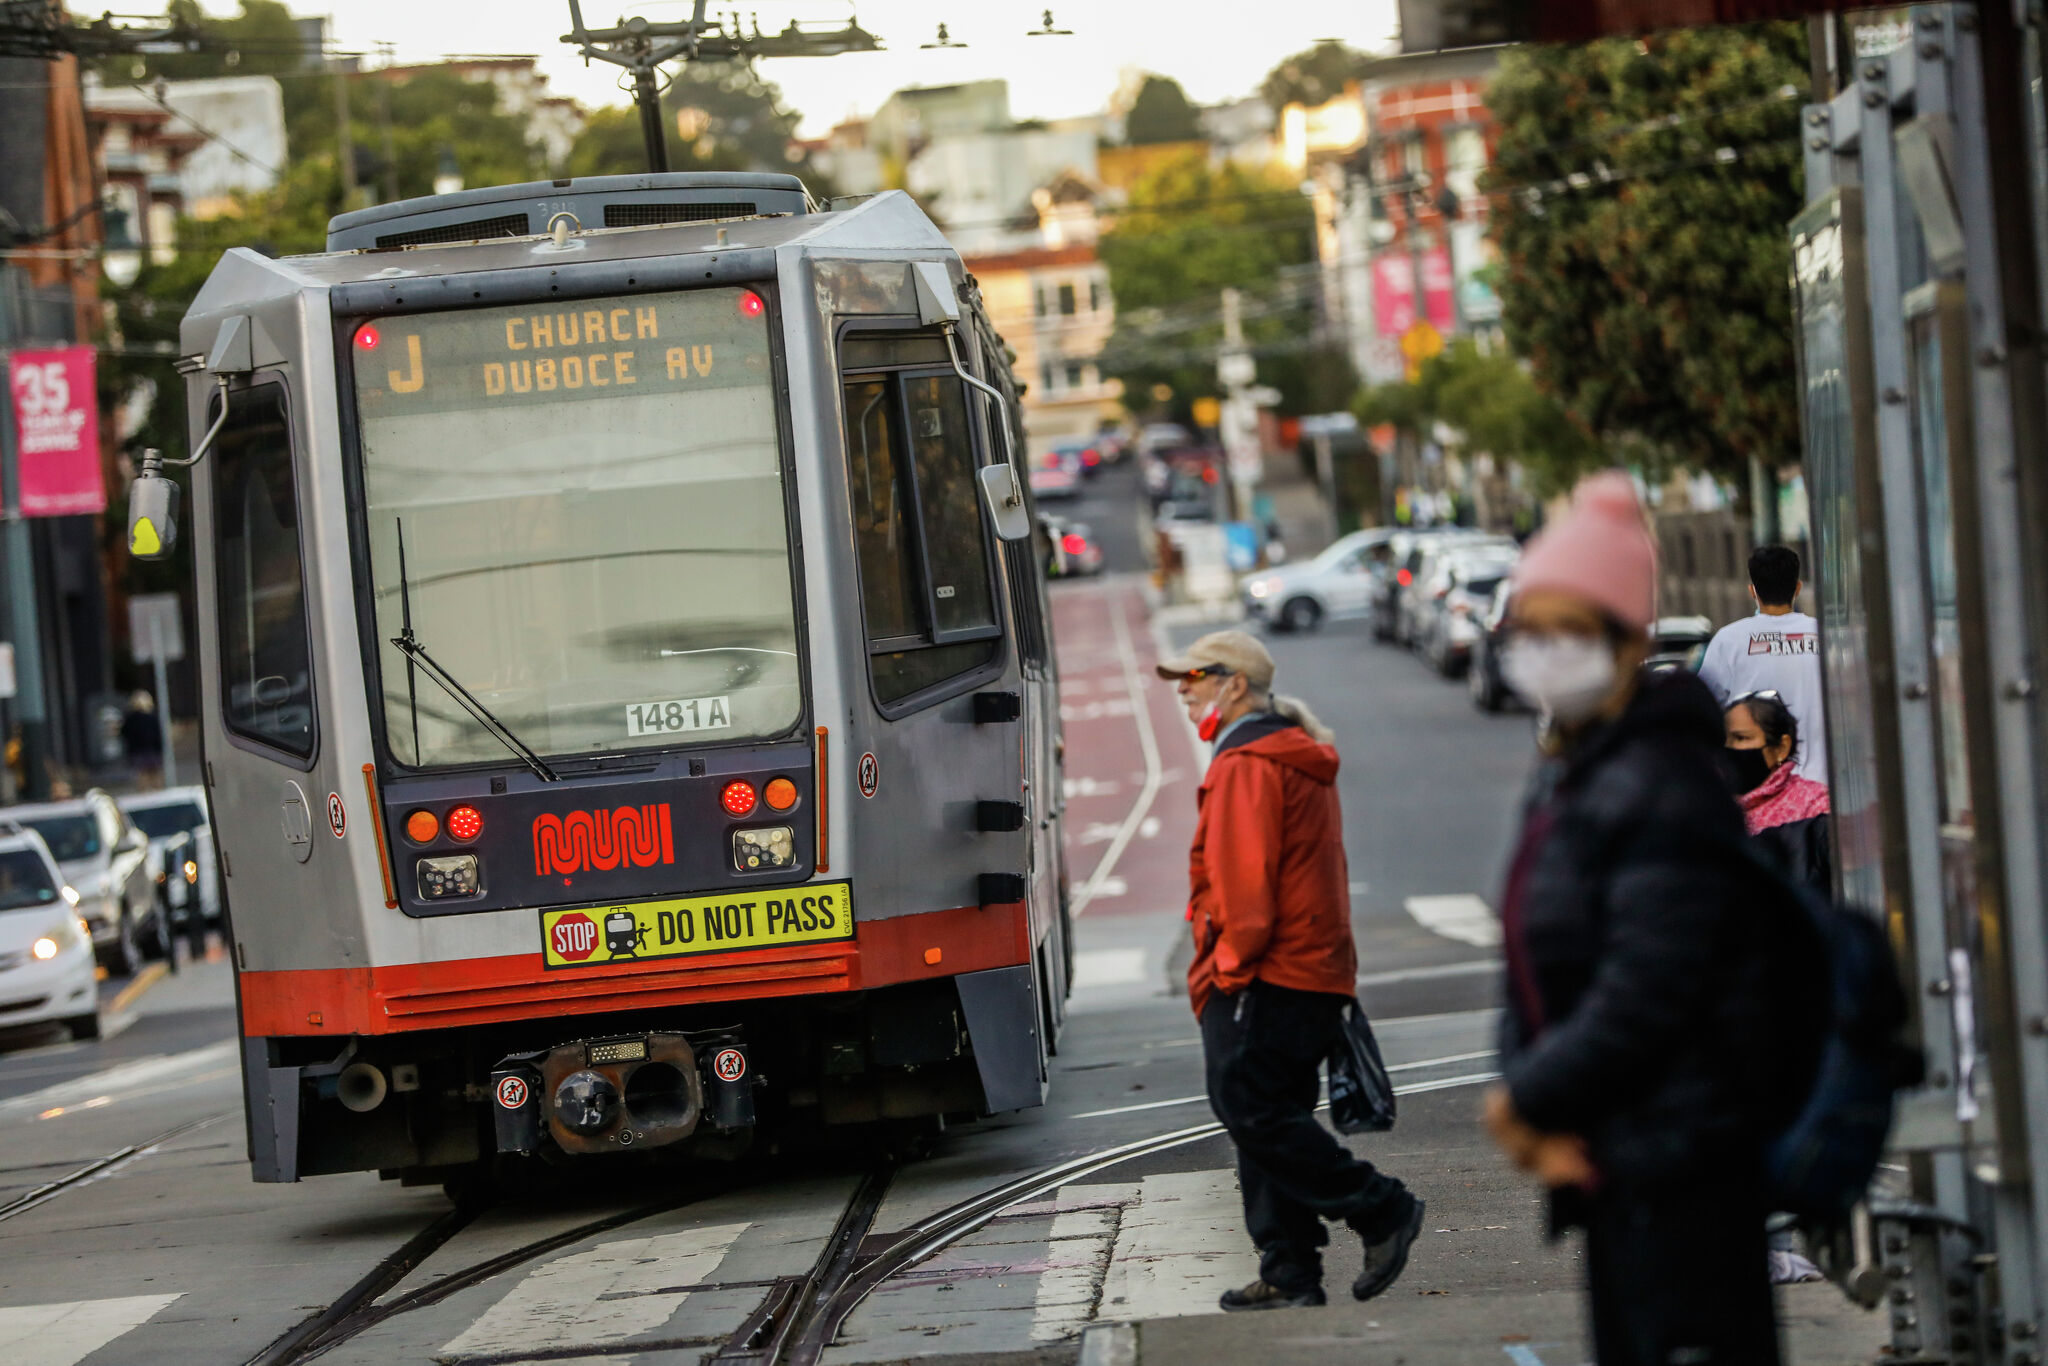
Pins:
<point x="24" y="630"/>
<point x="163" y="699"/>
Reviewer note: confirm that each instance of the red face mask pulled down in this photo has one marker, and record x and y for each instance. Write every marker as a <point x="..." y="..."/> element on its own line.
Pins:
<point x="1211" y="722"/>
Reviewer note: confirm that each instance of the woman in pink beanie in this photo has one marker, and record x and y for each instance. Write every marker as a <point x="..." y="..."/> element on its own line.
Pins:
<point x="1624" y="958"/>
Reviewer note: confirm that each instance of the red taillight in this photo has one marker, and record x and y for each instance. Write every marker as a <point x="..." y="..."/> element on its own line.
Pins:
<point x="750" y="304"/>
<point x="1404" y="578"/>
<point x="1090" y="457"/>
<point x="366" y="337"/>
<point x="1208" y="474"/>
<point x="1073" y="543"/>
<point x="465" y="823"/>
<point x="738" y="797"/>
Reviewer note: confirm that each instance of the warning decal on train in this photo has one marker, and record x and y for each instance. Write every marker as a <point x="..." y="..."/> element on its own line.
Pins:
<point x="721" y="923"/>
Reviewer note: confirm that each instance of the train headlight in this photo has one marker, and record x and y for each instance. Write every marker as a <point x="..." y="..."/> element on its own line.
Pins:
<point x="754" y="851"/>
<point x="449" y="876"/>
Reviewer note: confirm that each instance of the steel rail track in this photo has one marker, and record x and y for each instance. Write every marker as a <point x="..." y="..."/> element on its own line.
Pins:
<point x="104" y="1166"/>
<point x="800" y="1316"/>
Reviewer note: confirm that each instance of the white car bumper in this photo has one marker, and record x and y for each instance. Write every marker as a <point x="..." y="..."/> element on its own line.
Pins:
<point x="32" y="991"/>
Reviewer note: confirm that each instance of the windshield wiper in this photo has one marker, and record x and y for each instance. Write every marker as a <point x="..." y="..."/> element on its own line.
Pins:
<point x="415" y="653"/>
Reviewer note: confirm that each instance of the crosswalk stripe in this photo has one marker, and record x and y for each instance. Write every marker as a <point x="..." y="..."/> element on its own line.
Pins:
<point x="603" y="1294"/>
<point x="1077" y="1257"/>
<point x="1182" y="1245"/>
<point x="1461" y="916"/>
<point x="63" y="1334"/>
<point x="1108" y="968"/>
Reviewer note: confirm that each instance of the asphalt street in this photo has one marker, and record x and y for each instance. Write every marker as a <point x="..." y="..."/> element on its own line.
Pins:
<point x="170" y="1253"/>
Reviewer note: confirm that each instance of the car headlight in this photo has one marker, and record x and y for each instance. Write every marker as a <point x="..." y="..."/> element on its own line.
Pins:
<point x="70" y="893"/>
<point x="191" y="871"/>
<point x="45" y="948"/>
<point x="1260" y="588"/>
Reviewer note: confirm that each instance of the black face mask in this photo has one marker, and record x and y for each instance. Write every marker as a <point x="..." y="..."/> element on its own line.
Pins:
<point x="1747" y="769"/>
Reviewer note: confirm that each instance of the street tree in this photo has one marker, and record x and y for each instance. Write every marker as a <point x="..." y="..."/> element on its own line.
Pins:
<point x="1161" y="113"/>
<point x="1641" y="190"/>
<point x="1190" y="231"/>
<point x="1312" y="77"/>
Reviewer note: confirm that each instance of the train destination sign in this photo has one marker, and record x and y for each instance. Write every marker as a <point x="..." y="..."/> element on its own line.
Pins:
<point x="551" y="352"/>
<point x="723" y="922"/>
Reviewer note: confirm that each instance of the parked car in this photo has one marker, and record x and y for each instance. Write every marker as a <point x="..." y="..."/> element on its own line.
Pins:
<point x="181" y="841"/>
<point x="1414" y="597"/>
<point x="47" y="971"/>
<point x="1191" y="492"/>
<point x="1394" y="572"/>
<point x="105" y="859"/>
<point x="1333" y="586"/>
<point x="1083" y="457"/>
<point x="1073" y="548"/>
<point x="1056" y="475"/>
<point x="1679" y="643"/>
<point x="1453" y="603"/>
<point x="1490" y="691"/>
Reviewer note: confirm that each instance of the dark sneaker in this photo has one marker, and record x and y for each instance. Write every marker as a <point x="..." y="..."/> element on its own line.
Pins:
<point x="1386" y="1258"/>
<point x="1259" y="1295"/>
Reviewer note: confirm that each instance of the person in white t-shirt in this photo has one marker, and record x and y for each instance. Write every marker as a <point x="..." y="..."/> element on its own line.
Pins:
<point x="1777" y="651"/>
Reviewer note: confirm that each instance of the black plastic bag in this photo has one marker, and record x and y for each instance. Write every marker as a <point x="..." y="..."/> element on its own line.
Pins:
<point x="1361" y="1093"/>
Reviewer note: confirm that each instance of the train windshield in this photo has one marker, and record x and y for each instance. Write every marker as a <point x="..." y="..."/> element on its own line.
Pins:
<point x="578" y="510"/>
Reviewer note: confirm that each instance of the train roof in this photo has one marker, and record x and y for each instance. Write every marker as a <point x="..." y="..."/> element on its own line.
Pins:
<point x="886" y="224"/>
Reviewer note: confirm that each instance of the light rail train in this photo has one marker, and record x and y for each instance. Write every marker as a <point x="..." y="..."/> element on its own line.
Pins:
<point x="629" y="707"/>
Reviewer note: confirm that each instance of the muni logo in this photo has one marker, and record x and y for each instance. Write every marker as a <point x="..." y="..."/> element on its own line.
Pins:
<point x="629" y="837"/>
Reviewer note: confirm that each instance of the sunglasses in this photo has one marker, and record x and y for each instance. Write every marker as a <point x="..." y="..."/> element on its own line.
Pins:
<point x="1760" y="695"/>
<point x="1207" y="671"/>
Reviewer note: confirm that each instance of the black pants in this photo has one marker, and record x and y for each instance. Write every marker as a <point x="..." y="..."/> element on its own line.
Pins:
<point x="1680" y="1278"/>
<point x="1262" y="1047"/>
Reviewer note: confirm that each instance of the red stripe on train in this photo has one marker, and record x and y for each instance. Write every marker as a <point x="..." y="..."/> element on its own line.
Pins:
<point x="474" y="991"/>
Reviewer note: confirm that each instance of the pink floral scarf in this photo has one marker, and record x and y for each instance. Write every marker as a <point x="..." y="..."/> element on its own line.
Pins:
<point x="1782" y="798"/>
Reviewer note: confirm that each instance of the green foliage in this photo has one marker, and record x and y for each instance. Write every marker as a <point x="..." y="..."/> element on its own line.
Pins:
<point x="1161" y="113"/>
<point x="1652" y="301"/>
<point x="1191" y="230"/>
<point x="1313" y="77"/>
<point x="1491" y="399"/>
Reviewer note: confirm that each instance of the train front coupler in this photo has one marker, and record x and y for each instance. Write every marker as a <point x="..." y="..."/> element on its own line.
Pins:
<point x="622" y="1093"/>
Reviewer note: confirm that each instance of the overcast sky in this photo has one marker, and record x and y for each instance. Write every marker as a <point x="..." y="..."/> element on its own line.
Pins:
<point x="1217" y="50"/>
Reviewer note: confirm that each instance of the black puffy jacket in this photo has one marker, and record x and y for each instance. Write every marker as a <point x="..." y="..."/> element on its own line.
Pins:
<point x="1631" y="974"/>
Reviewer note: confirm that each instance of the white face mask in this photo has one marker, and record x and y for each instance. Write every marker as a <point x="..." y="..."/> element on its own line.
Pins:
<point x="1564" y="677"/>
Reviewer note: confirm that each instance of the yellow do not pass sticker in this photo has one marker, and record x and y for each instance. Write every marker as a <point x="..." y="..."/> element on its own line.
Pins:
<point x="723" y="922"/>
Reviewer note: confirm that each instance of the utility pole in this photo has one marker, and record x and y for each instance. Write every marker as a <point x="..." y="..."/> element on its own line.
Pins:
<point x="24" y="627"/>
<point x="384" y="125"/>
<point x="1236" y="368"/>
<point x="344" y="143"/>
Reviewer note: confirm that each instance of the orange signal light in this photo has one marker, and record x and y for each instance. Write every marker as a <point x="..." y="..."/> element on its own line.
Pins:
<point x="780" y="794"/>
<point x="422" y="826"/>
<point x="934" y="956"/>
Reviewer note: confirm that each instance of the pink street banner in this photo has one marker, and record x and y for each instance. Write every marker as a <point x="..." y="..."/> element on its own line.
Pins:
<point x="1393" y="284"/>
<point x="57" y="431"/>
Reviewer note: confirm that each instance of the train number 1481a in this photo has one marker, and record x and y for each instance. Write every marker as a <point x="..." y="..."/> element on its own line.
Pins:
<point x="687" y="713"/>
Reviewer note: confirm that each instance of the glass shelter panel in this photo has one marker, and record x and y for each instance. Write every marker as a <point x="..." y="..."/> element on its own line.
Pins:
<point x="579" y="510"/>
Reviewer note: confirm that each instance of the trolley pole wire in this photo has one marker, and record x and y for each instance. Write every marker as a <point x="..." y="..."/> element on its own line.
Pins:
<point x="641" y="48"/>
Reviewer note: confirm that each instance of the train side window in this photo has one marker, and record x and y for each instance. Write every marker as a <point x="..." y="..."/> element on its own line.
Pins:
<point x="926" y="586"/>
<point x="265" y="643"/>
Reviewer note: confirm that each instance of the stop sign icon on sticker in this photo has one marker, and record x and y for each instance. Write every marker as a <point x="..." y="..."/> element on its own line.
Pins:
<point x="730" y="1064"/>
<point x="575" y="936"/>
<point x="512" y="1092"/>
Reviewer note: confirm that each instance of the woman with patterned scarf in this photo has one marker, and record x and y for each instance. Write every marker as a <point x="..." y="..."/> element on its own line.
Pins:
<point x="1787" y="814"/>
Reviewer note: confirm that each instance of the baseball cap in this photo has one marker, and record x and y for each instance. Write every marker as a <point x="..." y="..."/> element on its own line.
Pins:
<point x="1231" y="651"/>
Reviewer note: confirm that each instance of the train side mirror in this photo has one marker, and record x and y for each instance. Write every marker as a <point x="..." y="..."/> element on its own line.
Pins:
<point x="152" y="517"/>
<point x="1005" y="499"/>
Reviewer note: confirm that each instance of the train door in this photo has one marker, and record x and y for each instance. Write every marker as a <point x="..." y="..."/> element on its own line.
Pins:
<point x="939" y="820"/>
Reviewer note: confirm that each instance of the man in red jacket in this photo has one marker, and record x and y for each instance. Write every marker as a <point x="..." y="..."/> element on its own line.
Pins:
<point x="1274" y="966"/>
